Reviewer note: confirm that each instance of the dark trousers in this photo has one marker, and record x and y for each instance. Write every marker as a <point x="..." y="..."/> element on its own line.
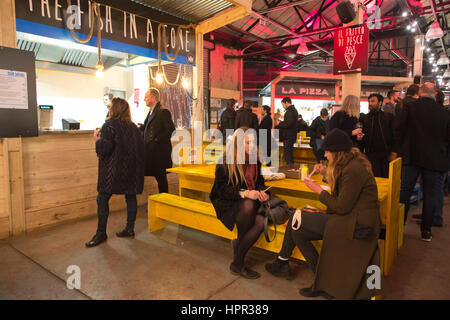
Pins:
<point x="103" y="211"/>
<point x="288" y="150"/>
<point x="432" y="190"/>
<point x="163" y="184"/>
<point x="312" y="228"/>
<point x="380" y="164"/>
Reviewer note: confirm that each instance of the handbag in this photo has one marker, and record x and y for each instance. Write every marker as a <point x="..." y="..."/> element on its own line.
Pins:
<point x="276" y="211"/>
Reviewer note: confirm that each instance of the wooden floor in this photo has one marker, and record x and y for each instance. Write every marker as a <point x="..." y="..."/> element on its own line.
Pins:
<point x="180" y="263"/>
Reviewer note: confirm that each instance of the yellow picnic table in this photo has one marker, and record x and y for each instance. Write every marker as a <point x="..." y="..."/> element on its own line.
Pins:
<point x="195" y="181"/>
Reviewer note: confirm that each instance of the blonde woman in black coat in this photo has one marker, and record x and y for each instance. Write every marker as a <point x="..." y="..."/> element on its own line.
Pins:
<point x="120" y="151"/>
<point x="236" y="195"/>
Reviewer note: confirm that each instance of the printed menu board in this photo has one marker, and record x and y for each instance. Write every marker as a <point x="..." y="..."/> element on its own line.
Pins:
<point x="13" y="89"/>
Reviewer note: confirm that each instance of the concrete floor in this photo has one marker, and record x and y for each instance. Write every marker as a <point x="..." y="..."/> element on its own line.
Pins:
<point x="181" y="263"/>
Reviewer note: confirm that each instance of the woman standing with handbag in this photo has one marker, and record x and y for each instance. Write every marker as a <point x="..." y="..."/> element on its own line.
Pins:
<point x="236" y="195"/>
<point x="349" y="229"/>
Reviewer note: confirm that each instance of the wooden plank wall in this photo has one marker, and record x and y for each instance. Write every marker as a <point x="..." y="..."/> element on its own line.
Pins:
<point x="60" y="180"/>
<point x="4" y="192"/>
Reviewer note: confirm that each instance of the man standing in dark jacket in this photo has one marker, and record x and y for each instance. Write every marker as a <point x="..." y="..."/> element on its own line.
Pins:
<point x="301" y="124"/>
<point x="158" y="128"/>
<point x="227" y="120"/>
<point x="288" y="130"/>
<point x="423" y="133"/>
<point x="393" y="96"/>
<point x="317" y="132"/>
<point x="246" y="118"/>
<point x="377" y="142"/>
<point x="266" y="124"/>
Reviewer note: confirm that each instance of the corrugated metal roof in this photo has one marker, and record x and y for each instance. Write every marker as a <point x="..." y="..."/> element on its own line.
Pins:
<point x="191" y="10"/>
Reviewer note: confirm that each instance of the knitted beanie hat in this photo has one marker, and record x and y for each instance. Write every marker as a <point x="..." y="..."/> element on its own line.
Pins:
<point x="337" y="140"/>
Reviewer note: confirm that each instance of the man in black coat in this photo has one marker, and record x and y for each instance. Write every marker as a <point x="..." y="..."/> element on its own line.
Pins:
<point x="423" y="133"/>
<point x="377" y="142"/>
<point x="288" y="130"/>
<point x="227" y="119"/>
<point x="301" y="124"/>
<point x="266" y="124"/>
<point x="317" y="132"/>
<point x="158" y="128"/>
<point x="246" y="118"/>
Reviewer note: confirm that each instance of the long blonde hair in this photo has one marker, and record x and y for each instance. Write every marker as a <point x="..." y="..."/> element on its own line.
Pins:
<point x="351" y="106"/>
<point x="234" y="168"/>
<point x="339" y="161"/>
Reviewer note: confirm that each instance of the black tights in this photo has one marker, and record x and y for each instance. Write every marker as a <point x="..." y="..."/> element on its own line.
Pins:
<point x="250" y="225"/>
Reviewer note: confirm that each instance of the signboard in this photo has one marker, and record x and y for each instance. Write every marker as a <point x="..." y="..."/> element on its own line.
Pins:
<point x="123" y="31"/>
<point x="351" y="49"/>
<point x="322" y="91"/>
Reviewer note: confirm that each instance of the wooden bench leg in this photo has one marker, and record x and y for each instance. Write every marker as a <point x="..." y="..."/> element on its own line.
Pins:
<point x="154" y="223"/>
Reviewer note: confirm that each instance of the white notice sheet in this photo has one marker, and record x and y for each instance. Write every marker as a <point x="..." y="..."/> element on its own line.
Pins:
<point x="13" y="90"/>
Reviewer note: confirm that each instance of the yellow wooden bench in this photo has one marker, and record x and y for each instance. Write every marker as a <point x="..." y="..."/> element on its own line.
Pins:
<point x="201" y="215"/>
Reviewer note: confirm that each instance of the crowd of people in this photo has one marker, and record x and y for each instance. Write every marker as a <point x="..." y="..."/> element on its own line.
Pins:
<point x="358" y="148"/>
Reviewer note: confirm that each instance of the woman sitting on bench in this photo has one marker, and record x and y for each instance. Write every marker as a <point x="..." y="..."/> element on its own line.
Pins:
<point x="236" y="195"/>
<point x="349" y="229"/>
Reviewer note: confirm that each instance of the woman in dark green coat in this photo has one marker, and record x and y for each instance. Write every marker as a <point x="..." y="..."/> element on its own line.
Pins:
<point x="349" y="229"/>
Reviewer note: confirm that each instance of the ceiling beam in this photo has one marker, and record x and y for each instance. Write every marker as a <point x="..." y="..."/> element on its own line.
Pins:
<point x="225" y="17"/>
<point x="281" y="7"/>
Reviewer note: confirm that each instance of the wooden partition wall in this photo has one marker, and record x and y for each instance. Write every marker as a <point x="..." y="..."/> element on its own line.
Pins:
<point x="59" y="182"/>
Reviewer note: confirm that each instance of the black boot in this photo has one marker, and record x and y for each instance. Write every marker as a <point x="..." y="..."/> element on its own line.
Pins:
<point x="96" y="240"/>
<point x="244" y="272"/>
<point x="309" y="293"/>
<point x="279" y="268"/>
<point x="125" y="233"/>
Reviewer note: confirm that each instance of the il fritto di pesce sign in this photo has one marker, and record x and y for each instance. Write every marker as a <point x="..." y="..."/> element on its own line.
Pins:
<point x="351" y="49"/>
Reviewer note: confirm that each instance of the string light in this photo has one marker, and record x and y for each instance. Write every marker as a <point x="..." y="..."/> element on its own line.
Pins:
<point x="185" y="83"/>
<point x="159" y="77"/>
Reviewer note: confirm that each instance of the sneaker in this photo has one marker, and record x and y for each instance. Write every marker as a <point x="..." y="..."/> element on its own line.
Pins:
<point x="279" y="269"/>
<point x="426" y="236"/>
<point x="309" y="293"/>
<point x="417" y="216"/>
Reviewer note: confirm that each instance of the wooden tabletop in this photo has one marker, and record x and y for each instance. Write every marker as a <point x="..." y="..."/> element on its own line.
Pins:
<point x="207" y="171"/>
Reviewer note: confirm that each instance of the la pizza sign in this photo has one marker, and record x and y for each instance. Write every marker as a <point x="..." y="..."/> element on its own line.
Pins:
<point x="351" y="49"/>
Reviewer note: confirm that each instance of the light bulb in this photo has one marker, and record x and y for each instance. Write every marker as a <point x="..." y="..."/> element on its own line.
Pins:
<point x="415" y="23"/>
<point x="428" y="49"/>
<point x="422" y="47"/>
<point x="99" y="72"/>
<point x="405" y="14"/>
<point x="159" y="77"/>
<point x="418" y="40"/>
<point x="408" y="27"/>
<point x="185" y="83"/>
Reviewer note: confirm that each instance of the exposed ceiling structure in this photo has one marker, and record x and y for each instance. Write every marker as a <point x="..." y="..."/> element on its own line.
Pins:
<point x="270" y="37"/>
<point x="190" y="10"/>
<point x="274" y="31"/>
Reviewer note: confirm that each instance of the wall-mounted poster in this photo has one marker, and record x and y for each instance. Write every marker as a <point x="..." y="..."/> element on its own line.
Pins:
<point x="18" y="106"/>
<point x="13" y="89"/>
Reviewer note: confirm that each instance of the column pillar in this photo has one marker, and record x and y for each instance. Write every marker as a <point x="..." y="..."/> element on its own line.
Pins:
<point x="418" y="55"/>
<point x="351" y="83"/>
